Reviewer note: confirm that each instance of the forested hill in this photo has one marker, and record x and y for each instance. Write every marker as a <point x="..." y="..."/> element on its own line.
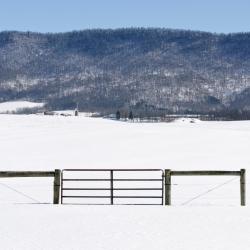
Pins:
<point x="133" y="68"/>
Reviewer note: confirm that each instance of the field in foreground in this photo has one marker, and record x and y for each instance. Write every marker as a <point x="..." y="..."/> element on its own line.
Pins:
<point x="214" y="221"/>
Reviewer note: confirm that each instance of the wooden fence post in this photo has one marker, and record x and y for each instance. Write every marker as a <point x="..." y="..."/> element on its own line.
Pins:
<point x="167" y="187"/>
<point x="243" y="187"/>
<point x="57" y="178"/>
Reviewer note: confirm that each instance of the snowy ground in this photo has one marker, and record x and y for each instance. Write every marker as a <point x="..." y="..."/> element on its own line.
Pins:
<point x="13" y="106"/>
<point x="214" y="221"/>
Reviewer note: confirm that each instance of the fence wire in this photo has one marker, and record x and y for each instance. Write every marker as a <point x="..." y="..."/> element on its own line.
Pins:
<point x="19" y="192"/>
<point x="196" y="197"/>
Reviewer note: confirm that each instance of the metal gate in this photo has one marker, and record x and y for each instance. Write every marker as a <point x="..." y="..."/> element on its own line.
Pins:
<point x="112" y="186"/>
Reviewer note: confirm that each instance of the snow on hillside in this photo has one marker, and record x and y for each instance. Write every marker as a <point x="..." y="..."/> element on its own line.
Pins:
<point x="214" y="221"/>
<point x="187" y="120"/>
<point x="15" y="105"/>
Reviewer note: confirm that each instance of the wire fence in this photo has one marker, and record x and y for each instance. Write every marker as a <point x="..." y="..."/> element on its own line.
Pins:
<point x="28" y="191"/>
<point x="220" y="191"/>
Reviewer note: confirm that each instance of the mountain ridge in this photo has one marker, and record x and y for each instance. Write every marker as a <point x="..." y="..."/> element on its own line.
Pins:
<point x="130" y="68"/>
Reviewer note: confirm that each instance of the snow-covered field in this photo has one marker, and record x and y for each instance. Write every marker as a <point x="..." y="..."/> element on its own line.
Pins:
<point x="213" y="221"/>
<point x="13" y="106"/>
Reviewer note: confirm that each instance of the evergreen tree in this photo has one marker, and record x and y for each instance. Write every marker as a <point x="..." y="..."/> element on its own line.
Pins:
<point x="118" y="115"/>
<point x="131" y="116"/>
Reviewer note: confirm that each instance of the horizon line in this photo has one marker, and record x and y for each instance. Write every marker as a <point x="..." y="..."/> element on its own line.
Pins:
<point x="125" y="28"/>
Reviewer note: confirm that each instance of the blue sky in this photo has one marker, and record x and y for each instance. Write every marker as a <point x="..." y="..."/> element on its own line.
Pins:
<point x="221" y="16"/>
